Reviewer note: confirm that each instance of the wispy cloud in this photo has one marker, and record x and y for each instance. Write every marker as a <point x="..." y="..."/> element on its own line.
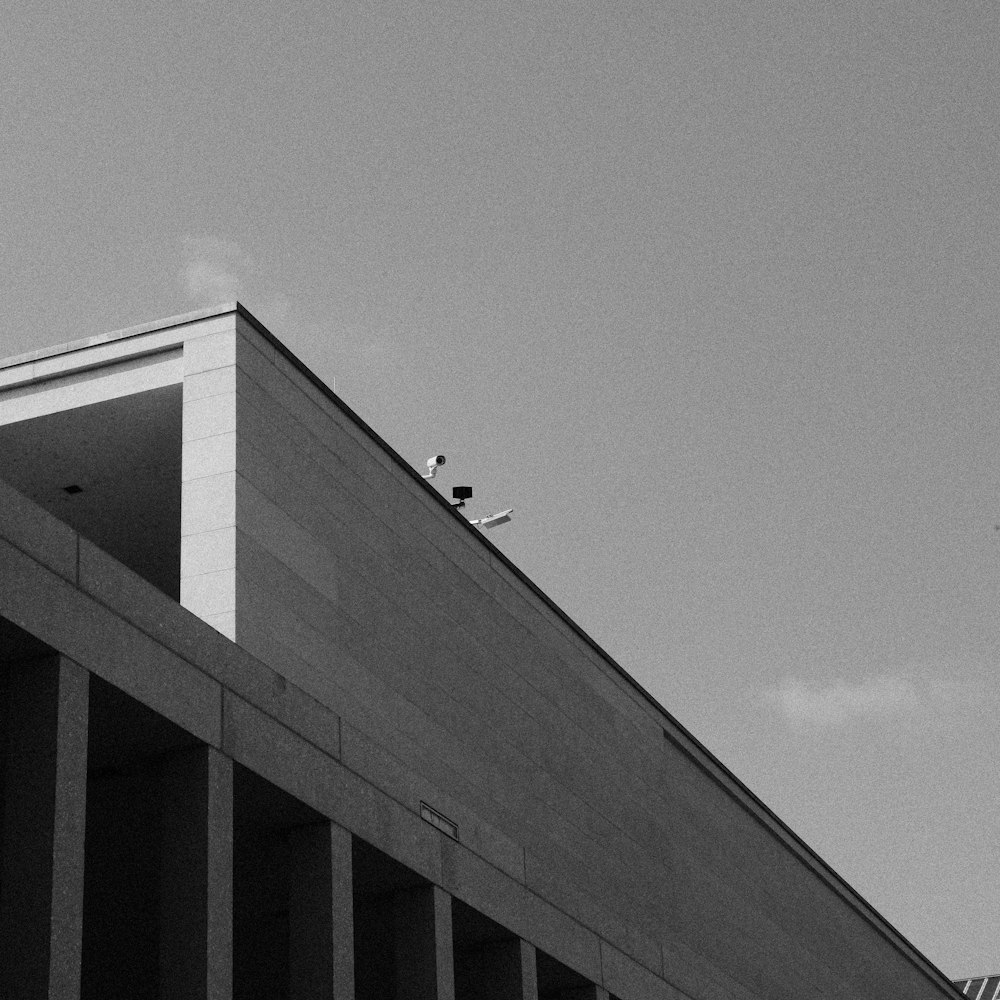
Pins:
<point x="838" y="702"/>
<point x="213" y="270"/>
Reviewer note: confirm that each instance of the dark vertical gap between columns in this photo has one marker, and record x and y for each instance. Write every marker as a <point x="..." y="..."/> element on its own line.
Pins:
<point x="41" y="908"/>
<point x="196" y="877"/>
<point x="292" y="898"/>
<point x="4" y="730"/>
<point x="491" y="963"/>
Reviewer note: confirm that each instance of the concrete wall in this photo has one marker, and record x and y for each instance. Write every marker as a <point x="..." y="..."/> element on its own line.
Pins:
<point x="458" y="687"/>
<point x="387" y="656"/>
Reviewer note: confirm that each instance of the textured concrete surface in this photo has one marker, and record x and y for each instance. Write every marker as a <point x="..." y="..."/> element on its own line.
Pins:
<point x="38" y="533"/>
<point x="387" y="656"/>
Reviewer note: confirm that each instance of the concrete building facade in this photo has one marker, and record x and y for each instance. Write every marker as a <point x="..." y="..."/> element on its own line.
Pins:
<point x="980" y="987"/>
<point x="278" y="722"/>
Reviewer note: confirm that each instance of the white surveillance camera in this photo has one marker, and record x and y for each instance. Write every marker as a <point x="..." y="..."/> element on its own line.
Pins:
<point x="432" y="465"/>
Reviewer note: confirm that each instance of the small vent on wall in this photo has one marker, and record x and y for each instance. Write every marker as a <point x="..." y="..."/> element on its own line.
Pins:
<point x="438" y="821"/>
<point x="72" y="489"/>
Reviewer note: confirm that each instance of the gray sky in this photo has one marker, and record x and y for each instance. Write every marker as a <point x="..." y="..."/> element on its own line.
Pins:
<point x="706" y="291"/>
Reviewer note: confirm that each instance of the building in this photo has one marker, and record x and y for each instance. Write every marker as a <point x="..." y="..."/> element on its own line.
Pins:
<point x="280" y="723"/>
<point x="980" y="987"/>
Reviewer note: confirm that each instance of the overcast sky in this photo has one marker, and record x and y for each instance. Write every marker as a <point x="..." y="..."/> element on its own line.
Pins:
<point x="706" y="291"/>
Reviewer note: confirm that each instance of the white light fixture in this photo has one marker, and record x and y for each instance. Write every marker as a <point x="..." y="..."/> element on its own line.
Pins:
<point x="493" y="520"/>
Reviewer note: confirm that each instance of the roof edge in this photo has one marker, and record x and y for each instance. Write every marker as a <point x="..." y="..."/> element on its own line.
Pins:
<point x="182" y="319"/>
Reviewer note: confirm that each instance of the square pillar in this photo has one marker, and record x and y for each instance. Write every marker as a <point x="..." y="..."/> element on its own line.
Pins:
<point x="423" y="945"/>
<point x="208" y="480"/>
<point x="320" y="913"/>
<point x="515" y="963"/>
<point x="42" y="837"/>
<point x="196" y="882"/>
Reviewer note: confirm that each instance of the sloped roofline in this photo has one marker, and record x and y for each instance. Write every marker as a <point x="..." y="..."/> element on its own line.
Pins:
<point x="673" y="730"/>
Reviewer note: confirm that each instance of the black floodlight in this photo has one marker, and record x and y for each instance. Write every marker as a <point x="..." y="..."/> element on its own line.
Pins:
<point x="461" y="494"/>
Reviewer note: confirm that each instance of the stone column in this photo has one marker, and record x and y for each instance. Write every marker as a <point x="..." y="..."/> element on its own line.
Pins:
<point x="196" y="884"/>
<point x="44" y="820"/>
<point x="423" y="945"/>
<point x="320" y="914"/>
<point x="208" y="479"/>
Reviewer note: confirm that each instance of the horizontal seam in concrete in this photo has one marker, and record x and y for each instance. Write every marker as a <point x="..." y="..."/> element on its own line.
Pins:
<point x="195" y="479"/>
<point x="214" y="368"/>
<point x="37" y="380"/>
<point x="186" y="659"/>
<point x="208" y="395"/>
<point x="156" y="326"/>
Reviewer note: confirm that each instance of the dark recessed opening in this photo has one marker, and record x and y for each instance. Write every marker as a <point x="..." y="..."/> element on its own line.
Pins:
<point x="128" y="452"/>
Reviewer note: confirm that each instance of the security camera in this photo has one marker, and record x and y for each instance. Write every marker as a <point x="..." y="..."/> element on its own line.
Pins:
<point x="432" y="465"/>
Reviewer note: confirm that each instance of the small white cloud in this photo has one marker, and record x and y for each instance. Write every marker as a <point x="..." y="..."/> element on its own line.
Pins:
<point x="839" y="702"/>
<point x="213" y="270"/>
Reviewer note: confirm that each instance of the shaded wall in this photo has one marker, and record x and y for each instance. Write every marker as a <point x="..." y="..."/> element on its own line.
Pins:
<point x="457" y="686"/>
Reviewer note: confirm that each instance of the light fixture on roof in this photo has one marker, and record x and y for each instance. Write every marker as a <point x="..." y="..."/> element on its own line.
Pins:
<point x="462" y="493"/>
<point x="494" y="520"/>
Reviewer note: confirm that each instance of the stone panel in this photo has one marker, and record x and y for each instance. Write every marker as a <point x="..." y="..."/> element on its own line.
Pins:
<point x="210" y="455"/>
<point x="212" y="351"/>
<point x="84" y="387"/>
<point x="36" y="532"/>
<point x="208" y="504"/>
<point x="286" y="760"/>
<point x="72" y="622"/>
